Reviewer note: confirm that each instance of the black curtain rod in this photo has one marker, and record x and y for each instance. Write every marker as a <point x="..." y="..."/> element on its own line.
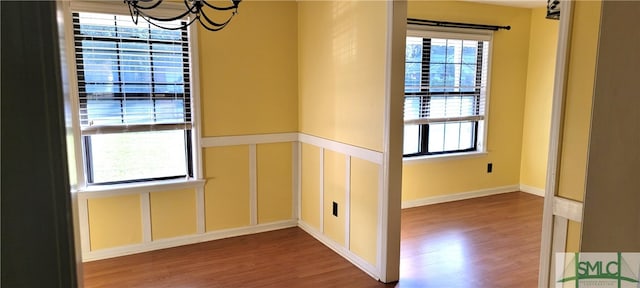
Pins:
<point x="455" y="24"/>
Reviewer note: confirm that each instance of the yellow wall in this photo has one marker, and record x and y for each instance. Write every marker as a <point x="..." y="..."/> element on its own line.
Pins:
<point x="574" y="231"/>
<point x="579" y="85"/>
<point x="173" y="213"/>
<point x="334" y="191"/>
<point x="537" y="109"/>
<point x="248" y="72"/>
<point x="342" y="62"/>
<point x="114" y="221"/>
<point x="506" y="105"/>
<point x="226" y="192"/>
<point x="310" y="185"/>
<point x="342" y="58"/>
<point x="274" y="181"/>
<point x="364" y="209"/>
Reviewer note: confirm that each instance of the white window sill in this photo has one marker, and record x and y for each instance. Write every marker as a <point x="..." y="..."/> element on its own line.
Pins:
<point x="140" y="187"/>
<point x="443" y="157"/>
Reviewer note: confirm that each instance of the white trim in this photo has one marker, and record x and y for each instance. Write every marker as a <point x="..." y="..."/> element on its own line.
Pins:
<point x="557" y="111"/>
<point x="532" y="190"/>
<point x="298" y="191"/>
<point x="567" y="208"/>
<point x="559" y="244"/>
<point x="196" y="130"/>
<point x="185" y="240"/>
<point x="483" y="147"/>
<point x="248" y="139"/>
<point x="383" y="217"/>
<point x="74" y="99"/>
<point x="459" y="196"/>
<point x="142" y="187"/>
<point x="391" y="168"/>
<point x="145" y="211"/>
<point x="200" y="214"/>
<point x="321" y="189"/>
<point x="359" y="152"/>
<point x="295" y="179"/>
<point x="253" y="185"/>
<point x="83" y="221"/>
<point x="347" y="204"/>
<point x="340" y="250"/>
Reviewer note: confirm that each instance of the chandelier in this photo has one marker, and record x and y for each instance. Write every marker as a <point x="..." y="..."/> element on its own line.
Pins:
<point x="195" y="9"/>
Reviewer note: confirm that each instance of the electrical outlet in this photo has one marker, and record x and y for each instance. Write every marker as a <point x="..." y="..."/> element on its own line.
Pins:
<point x="489" y="167"/>
<point x="335" y="209"/>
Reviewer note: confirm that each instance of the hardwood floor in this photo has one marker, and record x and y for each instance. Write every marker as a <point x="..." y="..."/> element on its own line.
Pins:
<point x="483" y="242"/>
<point x="490" y="241"/>
<point x="283" y="258"/>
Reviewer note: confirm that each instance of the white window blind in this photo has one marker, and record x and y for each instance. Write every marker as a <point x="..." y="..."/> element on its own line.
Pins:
<point x="445" y="80"/>
<point x="130" y="78"/>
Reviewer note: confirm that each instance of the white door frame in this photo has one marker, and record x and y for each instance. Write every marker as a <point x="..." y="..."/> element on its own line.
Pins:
<point x="557" y="210"/>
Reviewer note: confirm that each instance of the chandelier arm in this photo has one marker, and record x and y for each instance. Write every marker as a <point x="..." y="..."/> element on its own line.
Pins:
<point x="174" y="18"/>
<point x="234" y="6"/>
<point x="215" y="24"/>
<point x="166" y="27"/>
<point x="134" y="3"/>
<point x="134" y="14"/>
<point x="211" y="28"/>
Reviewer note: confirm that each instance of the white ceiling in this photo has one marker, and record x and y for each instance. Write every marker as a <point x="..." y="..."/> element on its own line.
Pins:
<point x="515" y="3"/>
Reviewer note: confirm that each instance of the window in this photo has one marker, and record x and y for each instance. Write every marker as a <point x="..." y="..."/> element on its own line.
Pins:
<point x="134" y="99"/>
<point x="445" y="92"/>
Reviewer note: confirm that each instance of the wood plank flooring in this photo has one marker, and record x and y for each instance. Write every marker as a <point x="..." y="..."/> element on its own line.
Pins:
<point x="490" y="241"/>
<point x="483" y="242"/>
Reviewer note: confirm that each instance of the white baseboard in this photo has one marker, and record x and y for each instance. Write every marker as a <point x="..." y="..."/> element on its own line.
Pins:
<point x="341" y="250"/>
<point x="185" y="240"/>
<point x="459" y="196"/>
<point x="532" y="190"/>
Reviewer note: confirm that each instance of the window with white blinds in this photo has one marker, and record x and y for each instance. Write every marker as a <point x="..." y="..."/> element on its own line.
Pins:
<point x="134" y="98"/>
<point x="446" y="78"/>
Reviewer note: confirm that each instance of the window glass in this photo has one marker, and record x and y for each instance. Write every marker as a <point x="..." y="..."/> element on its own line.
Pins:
<point x="413" y="68"/>
<point x="142" y="155"/>
<point x="411" y="139"/>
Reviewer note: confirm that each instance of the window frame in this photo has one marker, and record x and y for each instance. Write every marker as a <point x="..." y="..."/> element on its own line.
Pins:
<point x="480" y="130"/>
<point x="78" y="150"/>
